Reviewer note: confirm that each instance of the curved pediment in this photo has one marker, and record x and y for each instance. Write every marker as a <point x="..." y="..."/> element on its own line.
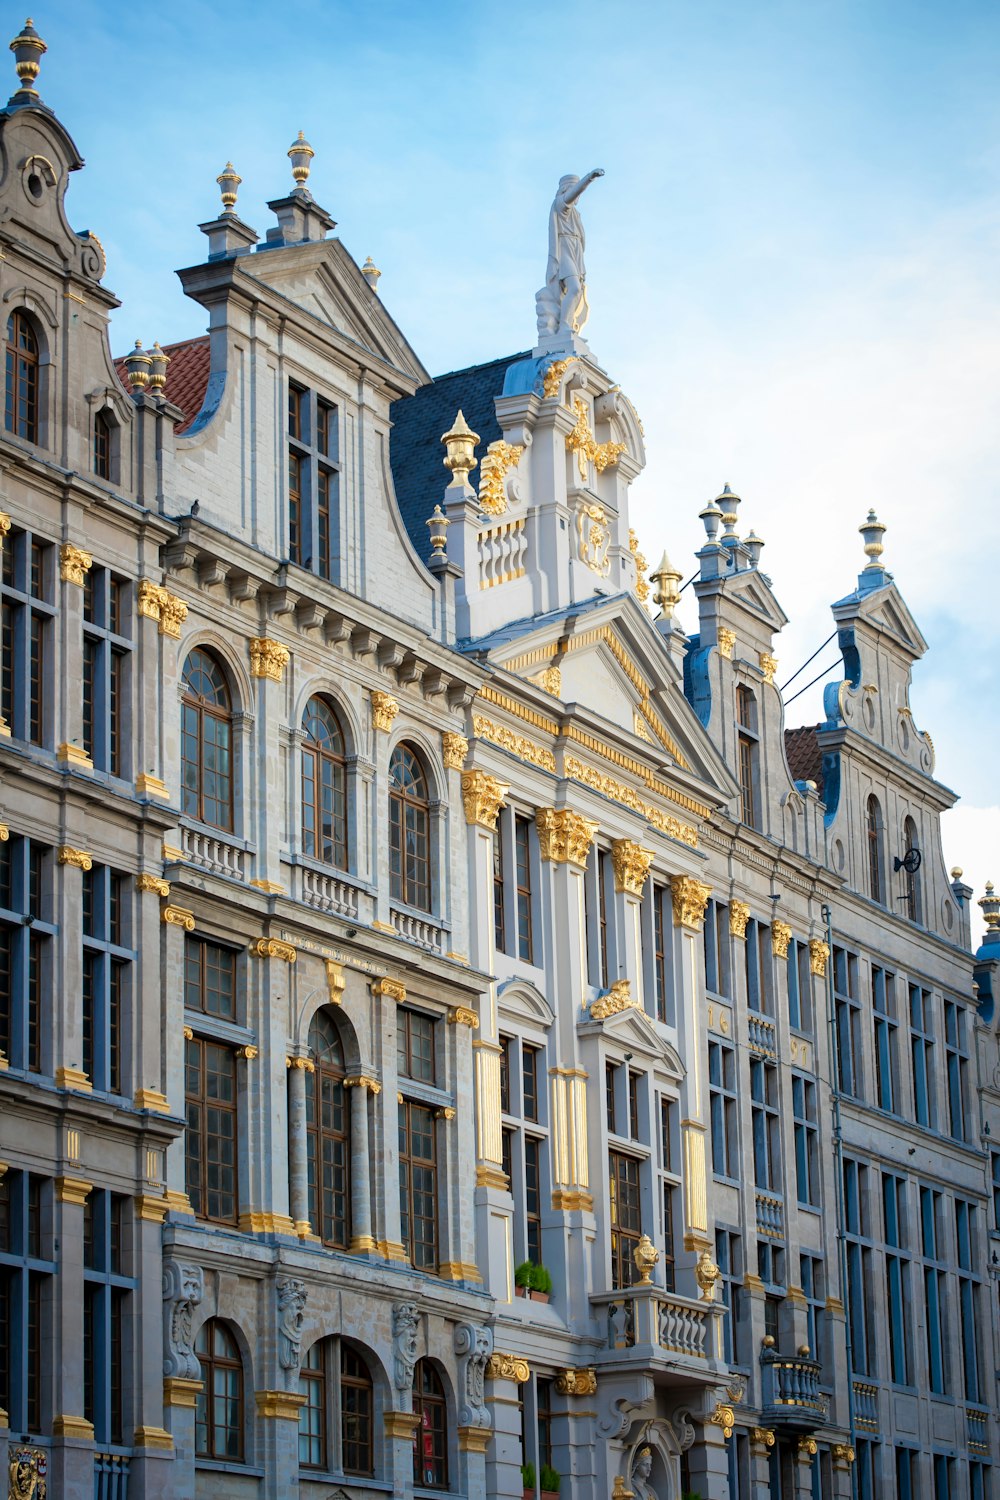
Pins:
<point x="520" y="1001"/>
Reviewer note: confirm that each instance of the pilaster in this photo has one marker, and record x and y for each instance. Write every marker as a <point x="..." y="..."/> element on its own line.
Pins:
<point x="504" y="1375"/>
<point x="265" y="798"/>
<point x="74" y="565"/>
<point x="690" y="898"/>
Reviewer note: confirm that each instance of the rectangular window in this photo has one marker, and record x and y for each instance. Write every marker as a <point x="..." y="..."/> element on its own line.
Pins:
<point x="313" y="483"/>
<point x="860" y="1311"/>
<point x="669" y="1258"/>
<point x="522" y="860"/>
<point x="922" y="1056"/>
<point x="107" y="651"/>
<point x="634" y="1085"/>
<point x="418" y="1185"/>
<point x="105" y="1310"/>
<point x="907" y="1474"/>
<point x="26" y="1268"/>
<point x="211" y="1140"/>
<point x="543" y="1419"/>
<point x="723" y="1109"/>
<point x="626" y="1219"/>
<point x="995" y="1161"/>
<point x="806" y="1139"/>
<point x="661" y="978"/>
<point x="897" y="1276"/>
<point x="944" y="1475"/>
<point x="610" y="1102"/>
<point x="529" y="1075"/>
<point x="766" y="1127"/>
<point x="956" y="1066"/>
<point x="813" y="1285"/>
<point x="746" y="716"/>
<point x="27" y="589"/>
<point x="603" y="902"/>
<point x="533" y="1199"/>
<point x="107" y="970"/>
<point x="499" y="914"/>
<point x="847" y="1011"/>
<point x="800" y="1010"/>
<point x="729" y="1259"/>
<point x="25" y="949"/>
<point x="715" y="935"/>
<point x="935" y="1291"/>
<point x="506" y="1043"/>
<point x="757" y="957"/>
<point x="886" y="1039"/>
<point x="209" y="978"/>
<point x="415" y="1045"/>
<point x="968" y="1297"/>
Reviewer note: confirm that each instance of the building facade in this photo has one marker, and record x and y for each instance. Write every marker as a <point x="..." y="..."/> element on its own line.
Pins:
<point x="454" y="1039"/>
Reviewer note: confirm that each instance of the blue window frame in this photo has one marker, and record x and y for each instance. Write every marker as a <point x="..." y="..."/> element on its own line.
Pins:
<point x="729" y="1259"/>
<point x="800" y="1009"/>
<point x="934" y="1290"/>
<point x="980" y="1486"/>
<point x="723" y="1109"/>
<point x="968" y="1296"/>
<point x="757" y="957"/>
<point x="956" y="1066"/>
<point x="944" y="1474"/>
<point x="848" y="1018"/>
<point x="806" y="1139"/>
<point x="869" y="1468"/>
<point x="27" y="681"/>
<point x="766" y="1125"/>
<point x="907" y="1474"/>
<point x="897" y="1275"/>
<point x="26" y="1265"/>
<point x="857" y="1221"/>
<point x="106" y="1289"/>
<point x="107" y="651"/>
<point x="25" y="951"/>
<point x="886" y="1038"/>
<point x="922" y="1056"/>
<point x="716" y="938"/>
<point x="813" y="1285"/>
<point x="107" y="971"/>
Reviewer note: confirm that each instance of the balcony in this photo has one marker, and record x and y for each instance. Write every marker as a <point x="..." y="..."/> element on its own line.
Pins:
<point x="413" y="928"/>
<point x="326" y="892"/>
<point x="866" y="1406"/>
<point x="213" y="852"/>
<point x="791" y="1397"/>
<point x="978" y="1430"/>
<point x="110" y="1476"/>
<point x="770" y="1216"/>
<point x="660" y="1329"/>
<point x="762" y="1036"/>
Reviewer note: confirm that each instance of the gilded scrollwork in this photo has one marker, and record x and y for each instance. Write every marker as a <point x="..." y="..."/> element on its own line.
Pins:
<point x="594" y="537"/>
<point x="631" y="866"/>
<point x="564" y="836"/>
<point x="268" y="658"/>
<point x="498" y="458"/>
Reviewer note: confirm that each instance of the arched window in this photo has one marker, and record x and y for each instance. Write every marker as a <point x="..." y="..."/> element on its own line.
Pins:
<point x="430" y="1436"/>
<point x="219" y="1413"/>
<point x="102" y="445"/>
<point x="409" y="830"/>
<point x="328" y="1140"/>
<point x="206" y="743"/>
<point x="336" y="1428"/>
<point x="21" y="400"/>
<point x="914" y="895"/>
<point x="324" y="786"/>
<point x="874" y="835"/>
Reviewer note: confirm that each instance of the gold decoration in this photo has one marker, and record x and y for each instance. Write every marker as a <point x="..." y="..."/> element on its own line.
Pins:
<point x="552" y="379"/>
<point x="281" y="1404"/>
<point x="498" y="458"/>
<point x="446" y="1112"/>
<point x="619" y="997"/>
<point x="363" y="1081"/>
<point x="551" y="680"/>
<point x="73" y="1190"/>
<point x="178" y="1202"/>
<point x="151" y="786"/>
<point x="723" y="1416"/>
<point x="460" y="450"/>
<point x="74" y="755"/>
<point x="594" y="538"/>
<point x="761" y="1439"/>
<point x="154" y="883"/>
<point x="384" y="710"/>
<point x="79" y="858"/>
<point x="582" y="442"/>
<point x="706" y="1273"/>
<point x="507" y="1367"/>
<point x="768" y="665"/>
<point x="151" y="1210"/>
<point x="157" y="603"/>
<point x="564" y="836"/>
<point x="178" y="916"/>
<point x="843" y="1457"/>
<point x="269" y="887"/>
<point x="153" y="1437"/>
<point x="400" y="1424"/>
<point x="73" y="1078"/>
<point x="641" y="585"/>
<point x="179" y="1391"/>
<point x="631" y="866"/>
<point x="690" y="898"/>
<point x="73" y="1427"/>
<point x="5" y="524"/>
<point x="646" y="1257"/>
<point x="265" y="947"/>
<point x="619" y="1491"/>
<point x="739" y="916"/>
<point x="517" y="744"/>
<point x="577" y="1382"/>
<point x="74" y="564"/>
<point x="304" y="1064"/>
<point x="151" y="1099"/>
<point x="188" y="1034"/>
<point x="807" y="1450"/>
<point x="727" y="640"/>
<point x="247" y="1053"/>
<point x="482" y="796"/>
<point x="392" y="989"/>
<point x="578" y="770"/>
<point x="268" y="658"/>
<point x="474" y="1439"/>
<point x="819" y="952"/>
<point x="455" y="748"/>
<point x="461" y="1015"/>
<point x="300" y="154"/>
<point x="27" y="1469"/>
<point x="667" y="592"/>
<point x="260" y="1221"/>
<point x="781" y="936"/>
<point x="229" y="182"/>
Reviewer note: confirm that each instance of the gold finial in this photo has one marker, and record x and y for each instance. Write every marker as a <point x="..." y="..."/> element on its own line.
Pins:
<point x="229" y="182"/>
<point x="300" y="154"/>
<point x="666" y="591"/>
<point x="438" y="524"/>
<point x="28" y="48"/>
<point x="138" y="364"/>
<point x="460" y="447"/>
<point x="989" y="905"/>
<point x="873" y="531"/>
<point x="371" y="273"/>
<point x="158" y="362"/>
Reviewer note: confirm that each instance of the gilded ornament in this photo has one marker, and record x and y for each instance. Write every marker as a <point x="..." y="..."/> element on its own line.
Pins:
<point x="807" y="1449"/>
<point x="157" y="603"/>
<point x="281" y="1404"/>
<point x="619" y="1490"/>
<point x="71" y="754"/>
<point x="706" y="1273"/>
<point x="461" y="1015"/>
<point x="384" y="710"/>
<point x="27" y="1469"/>
<point x="77" y="857"/>
<point x="334" y="982"/>
<point x="819" y="952"/>
<point x="268" y="658"/>
<point x="631" y="866"/>
<point x="640" y="727"/>
<point x="188" y="1034"/>
<point x="460" y="450"/>
<point x="552" y="379"/>
<point x="303" y="1064"/>
<point x="152" y="883"/>
<point x="641" y="585"/>
<point x="178" y="916"/>
<point x="550" y="679"/>
<point x="564" y="836"/>
<point x="446" y="1112"/>
<point x="455" y="748"/>
<point x="646" y="1257"/>
<point x="392" y="989"/>
<point x="761" y="1439"/>
<point x="594" y="537"/>
<point x="578" y="770"/>
<point x="5" y="524"/>
<point x="781" y="936"/>
<point x="582" y="442"/>
<point x="300" y="154"/>
<point x="363" y="1081"/>
<point x="739" y="916"/>
<point x="498" y="458"/>
<point x="517" y="744"/>
<point x="667" y="592"/>
<point x="507" y="1367"/>
<point x="768" y="665"/>
<point x="74" y="564"/>
<point x="843" y="1456"/>
<point x="229" y="182"/>
<point x="727" y="640"/>
<point x="619" y="997"/>
<point x="690" y="898"/>
<point x="723" y="1416"/>
<point x="577" y="1382"/>
<point x="482" y="796"/>
<point x="265" y="947"/>
<point x="247" y="1053"/>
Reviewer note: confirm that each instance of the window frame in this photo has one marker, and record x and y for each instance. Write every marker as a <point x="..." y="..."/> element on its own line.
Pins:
<point x="27" y="598"/>
<point x="409" y="887"/>
<point x="24" y="365"/>
<point x="326" y="769"/>
<point x="107" y="1290"/>
<point x="313" y="507"/>
<point x="318" y="1134"/>
<point x="26" y="952"/>
<point x="194" y="800"/>
<point x="437" y="1402"/>
<point x="108" y="978"/>
<point x="206" y="1398"/>
<point x="107" y="670"/>
<point x="27" y="1269"/>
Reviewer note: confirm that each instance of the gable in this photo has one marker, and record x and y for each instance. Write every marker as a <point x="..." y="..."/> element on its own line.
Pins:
<point x="520" y="1002"/>
<point x="749" y="589"/>
<point x="631" y="1029"/>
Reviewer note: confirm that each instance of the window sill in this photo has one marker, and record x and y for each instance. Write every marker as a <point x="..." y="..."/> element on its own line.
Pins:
<point x="230" y="1466"/>
<point x="330" y="1476"/>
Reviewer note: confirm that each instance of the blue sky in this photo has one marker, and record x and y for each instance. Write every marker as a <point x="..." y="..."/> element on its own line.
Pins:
<point x="792" y="260"/>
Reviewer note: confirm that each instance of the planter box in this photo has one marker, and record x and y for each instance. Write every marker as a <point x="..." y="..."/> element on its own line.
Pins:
<point x="521" y="1291"/>
<point x="543" y="1297"/>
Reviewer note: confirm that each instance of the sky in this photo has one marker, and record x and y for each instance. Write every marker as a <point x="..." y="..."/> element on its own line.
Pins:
<point x="791" y="261"/>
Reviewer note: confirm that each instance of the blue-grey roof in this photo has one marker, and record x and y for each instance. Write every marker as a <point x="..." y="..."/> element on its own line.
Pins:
<point x="415" y="452"/>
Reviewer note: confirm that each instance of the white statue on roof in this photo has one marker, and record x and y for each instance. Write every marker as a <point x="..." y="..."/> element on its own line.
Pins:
<point x="561" y="304"/>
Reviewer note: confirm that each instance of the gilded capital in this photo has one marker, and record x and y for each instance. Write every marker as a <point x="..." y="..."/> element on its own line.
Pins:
<point x="384" y="710"/>
<point x="157" y="603"/>
<point x="265" y="947"/>
<point x="761" y="1439"/>
<point x="690" y="898"/>
<point x="363" y="1081"/>
<point x="641" y="565"/>
<point x="247" y="1053"/>
<point x="302" y="1064"/>
<point x="482" y="796"/>
<point x="74" y="564"/>
<point x="455" y="748"/>
<point x="461" y="1015"/>
<point x="391" y="989"/>
<point x="564" y="836"/>
<point x="727" y="640"/>
<point x="4" y="527"/>
<point x="507" y="1367"/>
<point x="781" y="936"/>
<point x="268" y="658"/>
<point x="178" y="916"/>
<point x="819" y="952"/>
<point x="807" y="1450"/>
<point x="577" y="1382"/>
<point x="739" y="916"/>
<point x="631" y="866"/>
<point x="154" y="883"/>
<point x="843" y="1457"/>
<point x="78" y="857"/>
<point x="723" y="1416"/>
<point x="552" y="379"/>
<point x="768" y="665"/>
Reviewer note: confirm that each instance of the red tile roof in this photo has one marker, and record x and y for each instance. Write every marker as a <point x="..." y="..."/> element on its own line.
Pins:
<point x="187" y="376"/>
<point x="805" y="758"/>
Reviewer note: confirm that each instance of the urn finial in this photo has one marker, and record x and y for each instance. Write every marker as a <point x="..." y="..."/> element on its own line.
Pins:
<point x="989" y="905"/>
<point x="300" y="154"/>
<point x="872" y="531"/>
<point x="138" y="364"/>
<point x="371" y="273"/>
<point x="460" y="448"/>
<point x="229" y="182"/>
<point x="27" y="48"/>
<point x="666" y="592"/>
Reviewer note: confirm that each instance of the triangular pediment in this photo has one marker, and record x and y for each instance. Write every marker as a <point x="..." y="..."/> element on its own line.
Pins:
<point x="751" y="590"/>
<point x="632" y="1030"/>
<point x="888" y="612"/>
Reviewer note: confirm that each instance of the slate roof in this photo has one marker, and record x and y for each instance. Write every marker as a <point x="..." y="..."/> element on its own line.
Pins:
<point x="805" y="758"/>
<point x="415" y="452"/>
<point x="187" y="377"/>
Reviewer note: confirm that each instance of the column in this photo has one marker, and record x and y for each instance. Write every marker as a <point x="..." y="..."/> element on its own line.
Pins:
<point x="388" y="995"/>
<point x="298" y="1165"/>
<point x="690" y="898"/>
<point x="74" y="565"/>
<point x="264" y="799"/>
<point x="265" y="1207"/>
<point x="842" y="1455"/>
<point x="360" y="1086"/>
<point x="278" y="1440"/>
<point x="176" y="922"/>
<point x="802" y="1464"/>
<point x="151" y="1468"/>
<point x="504" y="1374"/>
<point x="384" y="709"/>
<point x="156" y="738"/>
<point x="708" y="1459"/>
<point x="72" y="1463"/>
<point x="458" y="1154"/>
<point x="761" y="1447"/>
<point x="399" y="1427"/>
<point x="631" y="866"/>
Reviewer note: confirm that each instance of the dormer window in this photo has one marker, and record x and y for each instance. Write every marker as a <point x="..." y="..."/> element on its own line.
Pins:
<point x="313" y="482"/>
<point x="21" y="400"/>
<point x="749" y="752"/>
<point x="874" y="838"/>
<point x="102" y="446"/>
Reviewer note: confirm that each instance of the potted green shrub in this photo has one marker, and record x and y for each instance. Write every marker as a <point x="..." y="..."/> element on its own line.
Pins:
<point x="528" y="1480"/>
<point x="522" y="1278"/>
<point x="541" y="1284"/>
<point x="550" y="1482"/>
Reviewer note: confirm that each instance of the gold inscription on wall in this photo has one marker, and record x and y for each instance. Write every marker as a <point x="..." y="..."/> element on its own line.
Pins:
<point x="800" y="1053"/>
<point x="720" y="1019"/>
